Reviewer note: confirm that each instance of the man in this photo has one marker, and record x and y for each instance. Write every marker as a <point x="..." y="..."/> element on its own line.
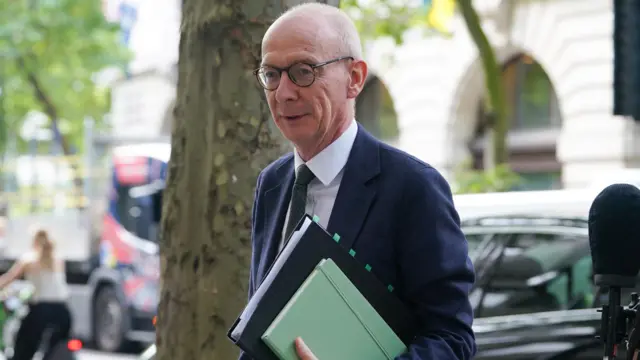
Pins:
<point x="395" y="211"/>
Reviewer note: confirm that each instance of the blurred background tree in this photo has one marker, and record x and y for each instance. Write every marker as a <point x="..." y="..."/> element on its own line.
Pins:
<point x="497" y="179"/>
<point x="52" y="53"/>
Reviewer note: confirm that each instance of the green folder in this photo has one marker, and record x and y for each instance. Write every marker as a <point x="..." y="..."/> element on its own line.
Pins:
<point x="334" y="319"/>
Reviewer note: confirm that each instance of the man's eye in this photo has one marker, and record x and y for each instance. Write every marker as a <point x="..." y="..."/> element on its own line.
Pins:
<point x="270" y="74"/>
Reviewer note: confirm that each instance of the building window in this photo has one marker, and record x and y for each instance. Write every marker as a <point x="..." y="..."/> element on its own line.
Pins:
<point x="376" y="112"/>
<point x="540" y="181"/>
<point x="535" y="119"/>
<point x="532" y="101"/>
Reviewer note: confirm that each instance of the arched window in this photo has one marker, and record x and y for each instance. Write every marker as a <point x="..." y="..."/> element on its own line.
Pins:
<point x="532" y="101"/>
<point x="375" y="110"/>
<point x="535" y="120"/>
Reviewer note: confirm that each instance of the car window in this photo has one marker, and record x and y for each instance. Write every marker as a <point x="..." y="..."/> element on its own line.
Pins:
<point x="538" y="272"/>
<point x="518" y="244"/>
<point x="524" y="300"/>
<point x="474" y="240"/>
<point x="499" y="302"/>
<point x="582" y="285"/>
<point x="558" y="288"/>
<point x="522" y="242"/>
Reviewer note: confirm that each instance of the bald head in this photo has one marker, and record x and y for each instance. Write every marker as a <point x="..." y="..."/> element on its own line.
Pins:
<point x="330" y="28"/>
<point x="312" y="70"/>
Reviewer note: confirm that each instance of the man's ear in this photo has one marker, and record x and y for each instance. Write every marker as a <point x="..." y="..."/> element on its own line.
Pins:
<point x="358" y="75"/>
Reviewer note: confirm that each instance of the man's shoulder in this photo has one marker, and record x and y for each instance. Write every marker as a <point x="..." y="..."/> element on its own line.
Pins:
<point x="417" y="184"/>
<point x="411" y="169"/>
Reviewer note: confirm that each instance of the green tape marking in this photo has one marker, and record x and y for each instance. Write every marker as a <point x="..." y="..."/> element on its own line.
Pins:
<point x="390" y="288"/>
<point x="367" y="267"/>
<point x="352" y="252"/>
<point x="316" y="218"/>
<point x="336" y="237"/>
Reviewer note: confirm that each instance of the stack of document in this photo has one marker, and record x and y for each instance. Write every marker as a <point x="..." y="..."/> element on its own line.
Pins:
<point x="355" y="317"/>
<point x="334" y="319"/>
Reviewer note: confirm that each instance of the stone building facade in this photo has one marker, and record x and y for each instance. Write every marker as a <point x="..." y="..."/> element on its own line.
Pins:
<point x="558" y="65"/>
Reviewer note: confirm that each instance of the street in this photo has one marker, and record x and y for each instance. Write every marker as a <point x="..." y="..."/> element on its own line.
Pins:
<point x="97" y="355"/>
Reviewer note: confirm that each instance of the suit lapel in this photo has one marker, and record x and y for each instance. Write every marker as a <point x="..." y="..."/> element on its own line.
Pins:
<point x="357" y="192"/>
<point x="276" y="198"/>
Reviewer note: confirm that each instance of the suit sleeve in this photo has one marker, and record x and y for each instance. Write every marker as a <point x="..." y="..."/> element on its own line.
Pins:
<point x="254" y="212"/>
<point x="435" y="269"/>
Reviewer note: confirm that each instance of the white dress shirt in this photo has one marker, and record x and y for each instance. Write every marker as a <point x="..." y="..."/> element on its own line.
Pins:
<point x="328" y="167"/>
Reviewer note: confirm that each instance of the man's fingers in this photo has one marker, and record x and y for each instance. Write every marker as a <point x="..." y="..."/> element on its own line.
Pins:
<point x="303" y="350"/>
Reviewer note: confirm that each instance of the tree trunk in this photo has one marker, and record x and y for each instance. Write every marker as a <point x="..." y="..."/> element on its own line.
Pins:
<point x="222" y="137"/>
<point x="496" y="105"/>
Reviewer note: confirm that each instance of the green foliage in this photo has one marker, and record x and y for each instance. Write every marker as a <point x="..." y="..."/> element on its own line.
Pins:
<point x="51" y="51"/>
<point x="381" y="18"/>
<point x="497" y="179"/>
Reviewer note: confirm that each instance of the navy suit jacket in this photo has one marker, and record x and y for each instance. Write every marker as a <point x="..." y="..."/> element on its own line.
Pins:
<point x="397" y="213"/>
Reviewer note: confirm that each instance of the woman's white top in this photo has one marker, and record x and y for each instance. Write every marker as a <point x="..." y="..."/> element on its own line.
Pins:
<point x="49" y="285"/>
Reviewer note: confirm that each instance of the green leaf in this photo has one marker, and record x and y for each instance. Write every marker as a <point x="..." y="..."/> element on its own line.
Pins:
<point x="382" y="18"/>
<point x="63" y="45"/>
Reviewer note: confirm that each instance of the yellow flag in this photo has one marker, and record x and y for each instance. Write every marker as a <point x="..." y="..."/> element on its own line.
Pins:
<point x="440" y="14"/>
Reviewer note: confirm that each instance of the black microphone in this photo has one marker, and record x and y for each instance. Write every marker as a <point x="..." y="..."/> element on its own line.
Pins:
<point x="614" y="228"/>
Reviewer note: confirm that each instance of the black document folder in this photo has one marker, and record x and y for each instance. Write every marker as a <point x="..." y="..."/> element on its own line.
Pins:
<point x="304" y="250"/>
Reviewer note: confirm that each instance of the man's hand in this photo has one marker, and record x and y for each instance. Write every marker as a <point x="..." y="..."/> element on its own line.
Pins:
<point x="304" y="353"/>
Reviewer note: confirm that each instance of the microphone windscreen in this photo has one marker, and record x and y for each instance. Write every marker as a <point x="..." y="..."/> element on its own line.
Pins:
<point x="614" y="231"/>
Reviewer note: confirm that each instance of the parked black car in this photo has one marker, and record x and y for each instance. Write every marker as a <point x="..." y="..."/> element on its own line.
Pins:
<point x="534" y="298"/>
<point x="534" y="295"/>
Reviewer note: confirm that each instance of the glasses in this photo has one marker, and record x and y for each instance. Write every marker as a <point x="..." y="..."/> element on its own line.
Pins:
<point x="301" y="74"/>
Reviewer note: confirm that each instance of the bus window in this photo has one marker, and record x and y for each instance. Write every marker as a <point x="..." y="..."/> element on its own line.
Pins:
<point x="157" y="206"/>
<point x="156" y="212"/>
<point x="133" y="213"/>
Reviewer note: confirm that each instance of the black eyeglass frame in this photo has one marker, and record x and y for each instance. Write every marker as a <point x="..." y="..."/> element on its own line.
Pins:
<point x="313" y="67"/>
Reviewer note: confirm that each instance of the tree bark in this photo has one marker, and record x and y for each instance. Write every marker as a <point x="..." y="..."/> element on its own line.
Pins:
<point x="496" y="105"/>
<point x="222" y="136"/>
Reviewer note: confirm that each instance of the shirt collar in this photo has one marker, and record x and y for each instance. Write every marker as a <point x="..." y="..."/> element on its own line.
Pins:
<point x="328" y="163"/>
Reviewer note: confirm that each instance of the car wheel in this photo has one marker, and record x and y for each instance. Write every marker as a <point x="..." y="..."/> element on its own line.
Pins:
<point x="108" y="315"/>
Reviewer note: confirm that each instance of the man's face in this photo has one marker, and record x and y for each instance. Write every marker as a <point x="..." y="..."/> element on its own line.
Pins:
<point x="305" y="115"/>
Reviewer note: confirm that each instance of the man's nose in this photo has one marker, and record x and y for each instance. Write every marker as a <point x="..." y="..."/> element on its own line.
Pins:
<point x="287" y="90"/>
